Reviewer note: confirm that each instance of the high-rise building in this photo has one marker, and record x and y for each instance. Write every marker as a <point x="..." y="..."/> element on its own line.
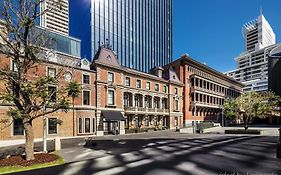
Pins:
<point x="57" y="19"/>
<point x="139" y="31"/>
<point x="252" y="65"/>
<point x="258" y="34"/>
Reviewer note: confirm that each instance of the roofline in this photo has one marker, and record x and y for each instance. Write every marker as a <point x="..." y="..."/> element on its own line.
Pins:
<point x="185" y="58"/>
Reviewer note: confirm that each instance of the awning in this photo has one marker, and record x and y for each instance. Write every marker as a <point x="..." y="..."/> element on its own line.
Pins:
<point x="112" y="116"/>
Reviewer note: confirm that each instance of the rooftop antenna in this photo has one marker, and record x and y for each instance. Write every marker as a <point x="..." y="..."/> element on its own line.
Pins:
<point x="261" y="10"/>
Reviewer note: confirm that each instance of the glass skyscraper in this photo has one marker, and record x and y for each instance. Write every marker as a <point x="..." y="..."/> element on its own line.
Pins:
<point x="139" y="31"/>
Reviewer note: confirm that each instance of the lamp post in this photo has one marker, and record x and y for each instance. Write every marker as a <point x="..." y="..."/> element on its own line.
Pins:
<point x="44" y="131"/>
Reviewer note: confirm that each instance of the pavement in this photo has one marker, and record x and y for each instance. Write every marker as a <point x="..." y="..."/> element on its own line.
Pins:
<point x="168" y="153"/>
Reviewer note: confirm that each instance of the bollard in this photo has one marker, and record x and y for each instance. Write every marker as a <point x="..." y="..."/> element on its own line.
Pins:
<point x="279" y="146"/>
<point x="57" y="144"/>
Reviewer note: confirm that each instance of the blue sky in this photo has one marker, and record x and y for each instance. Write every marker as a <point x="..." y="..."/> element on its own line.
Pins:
<point x="210" y="31"/>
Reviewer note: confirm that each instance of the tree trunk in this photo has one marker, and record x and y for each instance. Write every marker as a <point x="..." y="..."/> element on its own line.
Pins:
<point x="245" y="122"/>
<point x="29" y="140"/>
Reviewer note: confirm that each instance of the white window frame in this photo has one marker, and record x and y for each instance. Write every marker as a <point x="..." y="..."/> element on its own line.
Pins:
<point x="113" y="77"/>
<point x="47" y="71"/>
<point x="12" y="131"/>
<point x="83" y="97"/>
<point x="83" y="78"/>
<point x="114" y="99"/>
<point x="129" y="81"/>
<point x="137" y="84"/>
<point x="48" y="126"/>
<point x="93" y="123"/>
<point x="148" y="82"/>
<point x="155" y="85"/>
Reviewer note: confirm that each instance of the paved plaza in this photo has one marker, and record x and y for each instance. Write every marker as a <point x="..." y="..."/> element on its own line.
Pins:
<point x="168" y="153"/>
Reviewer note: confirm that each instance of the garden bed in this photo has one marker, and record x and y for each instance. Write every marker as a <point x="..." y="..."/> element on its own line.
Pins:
<point x="18" y="163"/>
<point x="20" y="160"/>
<point x="243" y="131"/>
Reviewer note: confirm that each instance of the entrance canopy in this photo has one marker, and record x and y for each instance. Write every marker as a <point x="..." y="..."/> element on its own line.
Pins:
<point x="112" y="116"/>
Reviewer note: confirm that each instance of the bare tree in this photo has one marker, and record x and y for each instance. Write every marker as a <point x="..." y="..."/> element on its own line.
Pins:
<point x="22" y="43"/>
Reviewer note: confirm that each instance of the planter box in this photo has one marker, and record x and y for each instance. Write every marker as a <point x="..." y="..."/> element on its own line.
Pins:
<point x="242" y="131"/>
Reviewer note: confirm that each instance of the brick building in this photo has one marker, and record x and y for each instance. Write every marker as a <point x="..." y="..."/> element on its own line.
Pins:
<point x="113" y="98"/>
<point x="205" y="90"/>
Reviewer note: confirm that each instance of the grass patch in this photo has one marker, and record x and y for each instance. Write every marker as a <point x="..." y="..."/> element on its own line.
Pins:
<point x="15" y="169"/>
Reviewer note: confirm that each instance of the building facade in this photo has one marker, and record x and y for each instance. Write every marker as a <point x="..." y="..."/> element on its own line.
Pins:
<point x="139" y="32"/>
<point x="274" y="70"/>
<point x="252" y="65"/>
<point x="2" y="31"/>
<point x="205" y="90"/>
<point x="113" y="98"/>
<point x="56" y="19"/>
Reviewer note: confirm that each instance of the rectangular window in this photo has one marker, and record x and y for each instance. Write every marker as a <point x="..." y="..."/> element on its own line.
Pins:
<point x="176" y="105"/>
<point x="86" y="98"/>
<point x="127" y="81"/>
<point x="86" y="79"/>
<point x="157" y="87"/>
<point x="87" y="125"/>
<point x="110" y="97"/>
<point x="51" y="72"/>
<point x="80" y="125"/>
<point x="52" y="93"/>
<point x="18" y="127"/>
<point x="110" y="77"/>
<point x="147" y="85"/>
<point x="165" y="89"/>
<point x="52" y="126"/>
<point x="15" y="67"/>
<point x="138" y="84"/>
<point x="176" y="91"/>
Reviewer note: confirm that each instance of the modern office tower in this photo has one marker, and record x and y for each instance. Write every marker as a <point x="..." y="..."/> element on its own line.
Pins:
<point x="258" y="34"/>
<point x="57" y="19"/>
<point x="274" y="70"/>
<point x="252" y="65"/>
<point x="139" y="31"/>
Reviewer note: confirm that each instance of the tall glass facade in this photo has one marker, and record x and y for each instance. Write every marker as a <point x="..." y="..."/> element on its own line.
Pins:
<point x="139" y="31"/>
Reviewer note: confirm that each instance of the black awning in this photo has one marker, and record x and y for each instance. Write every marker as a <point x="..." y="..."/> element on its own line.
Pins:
<point x="111" y="116"/>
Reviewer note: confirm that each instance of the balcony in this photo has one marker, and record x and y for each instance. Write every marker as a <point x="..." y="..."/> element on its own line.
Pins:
<point x="130" y="109"/>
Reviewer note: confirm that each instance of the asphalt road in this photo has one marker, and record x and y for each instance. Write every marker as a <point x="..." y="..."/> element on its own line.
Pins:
<point x="170" y="154"/>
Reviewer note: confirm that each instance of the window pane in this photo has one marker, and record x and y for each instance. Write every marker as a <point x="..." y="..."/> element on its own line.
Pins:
<point x="110" y="77"/>
<point x="53" y="93"/>
<point x="86" y="98"/>
<point x="18" y="127"/>
<point x="51" y="72"/>
<point x="110" y="98"/>
<point x="80" y="125"/>
<point x="94" y="124"/>
<point x="87" y="125"/>
<point x="52" y="126"/>
<point x="86" y="79"/>
<point x="148" y="86"/>
<point x="127" y="81"/>
<point x="138" y="83"/>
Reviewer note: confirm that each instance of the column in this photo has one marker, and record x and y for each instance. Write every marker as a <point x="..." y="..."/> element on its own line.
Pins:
<point x="133" y="100"/>
<point x="100" y="131"/>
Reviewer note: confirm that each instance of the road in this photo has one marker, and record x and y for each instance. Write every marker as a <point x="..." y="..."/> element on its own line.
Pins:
<point x="170" y="154"/>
